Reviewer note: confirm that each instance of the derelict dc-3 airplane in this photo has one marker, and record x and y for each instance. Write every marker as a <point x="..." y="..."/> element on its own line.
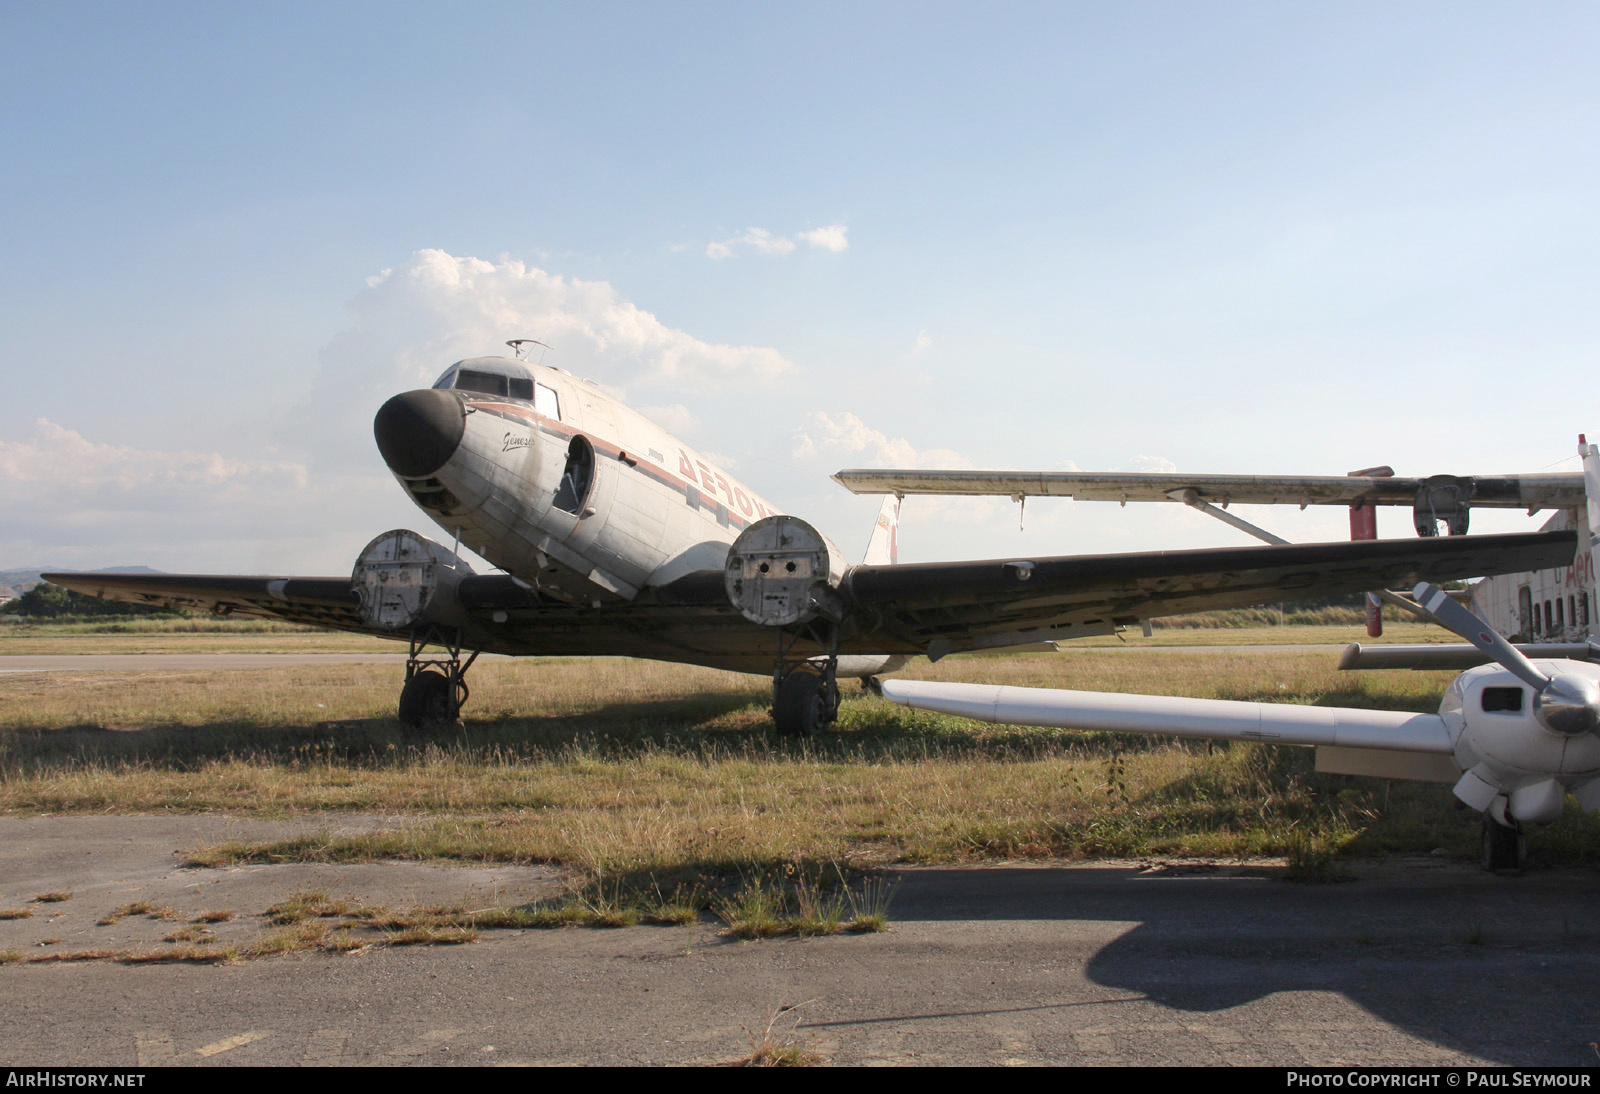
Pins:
<point x="615" y="538"/>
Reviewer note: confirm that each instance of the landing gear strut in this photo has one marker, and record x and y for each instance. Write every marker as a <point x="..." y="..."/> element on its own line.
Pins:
<point x="805" y="690"/>
<point x="436" y="683"/>
<point x="1505" y="848"/>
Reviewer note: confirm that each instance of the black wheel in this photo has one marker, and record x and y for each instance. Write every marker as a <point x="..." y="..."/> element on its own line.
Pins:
<point x="798" y="709"/>
<point x="1505" y="849"/>
<point x="427" y="699"/>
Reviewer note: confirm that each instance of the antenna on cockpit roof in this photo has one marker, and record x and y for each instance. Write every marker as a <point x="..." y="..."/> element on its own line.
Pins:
<point x="517" y="347"/>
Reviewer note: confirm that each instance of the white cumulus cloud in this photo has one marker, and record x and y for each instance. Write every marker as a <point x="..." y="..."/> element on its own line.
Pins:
<point x="60" y="464"/>
<point x="759" y="241"/>
<point x="1149" y="465"/>
<point x="71" y="501"/>
<point x="832" y="238"/>
<point x="437" y="307"/>
<point x="844" y="434"/>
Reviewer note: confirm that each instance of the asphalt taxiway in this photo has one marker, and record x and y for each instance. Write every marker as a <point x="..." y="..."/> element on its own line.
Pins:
<point x="1416" y="961"/>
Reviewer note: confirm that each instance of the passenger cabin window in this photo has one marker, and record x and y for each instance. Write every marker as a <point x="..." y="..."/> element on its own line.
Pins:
<point x="1502" y="700"/>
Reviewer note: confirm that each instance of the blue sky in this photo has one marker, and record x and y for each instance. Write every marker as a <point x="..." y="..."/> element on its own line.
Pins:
<point x="1224" y="238"/>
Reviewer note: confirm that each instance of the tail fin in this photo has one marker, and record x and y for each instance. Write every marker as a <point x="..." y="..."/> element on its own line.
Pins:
<point x="884" y="546"/>
<point x="1591" y="484"/>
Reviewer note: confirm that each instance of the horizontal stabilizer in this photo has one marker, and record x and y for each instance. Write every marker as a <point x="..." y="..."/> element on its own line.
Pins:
<point x="1454" y="655"/>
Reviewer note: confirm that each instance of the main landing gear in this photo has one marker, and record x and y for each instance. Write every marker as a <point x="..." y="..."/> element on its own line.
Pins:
<point x="805" y="690"/>
<point x="436" y="683"/>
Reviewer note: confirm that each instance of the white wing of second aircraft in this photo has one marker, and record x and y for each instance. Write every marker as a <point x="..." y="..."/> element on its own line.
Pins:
<point x="1216" y="719"/>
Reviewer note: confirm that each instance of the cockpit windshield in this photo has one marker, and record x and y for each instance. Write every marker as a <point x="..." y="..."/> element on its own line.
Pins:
<point x="486" y="381"/>
<point x="507" y="382"/>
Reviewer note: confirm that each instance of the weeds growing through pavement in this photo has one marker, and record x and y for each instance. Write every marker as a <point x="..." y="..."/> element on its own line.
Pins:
<point x="772" y="1047"/>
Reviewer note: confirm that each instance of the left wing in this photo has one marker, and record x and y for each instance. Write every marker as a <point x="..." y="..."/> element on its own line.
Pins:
<point x="318" y="601"/>
<point x="948" y="607"/>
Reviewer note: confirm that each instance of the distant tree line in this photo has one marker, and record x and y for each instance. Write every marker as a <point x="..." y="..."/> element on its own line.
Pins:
<point x="47" y="601"/>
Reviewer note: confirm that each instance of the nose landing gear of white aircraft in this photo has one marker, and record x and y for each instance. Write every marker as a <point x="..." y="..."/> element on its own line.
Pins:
<point x="436" y="684"/>
<point x="1505" y="848"/>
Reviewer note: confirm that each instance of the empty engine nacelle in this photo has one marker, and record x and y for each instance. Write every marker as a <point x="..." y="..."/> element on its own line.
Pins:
<point x="782" y="571"/>
<point x="405" y="579"/>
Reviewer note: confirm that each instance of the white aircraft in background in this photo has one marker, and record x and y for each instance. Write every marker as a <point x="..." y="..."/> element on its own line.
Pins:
<point x="1514" y="736"/>
<point x="1550" y="612"/>
<point x="615" y="538"/>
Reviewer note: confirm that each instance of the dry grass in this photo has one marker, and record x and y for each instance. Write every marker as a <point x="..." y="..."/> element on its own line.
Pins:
<point x="643" y="774"/>
<point x="139" y="907"/>
<point x="772" y="1046"/>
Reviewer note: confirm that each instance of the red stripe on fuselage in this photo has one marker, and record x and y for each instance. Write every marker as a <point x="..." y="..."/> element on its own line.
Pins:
<point x="642" y="464"/>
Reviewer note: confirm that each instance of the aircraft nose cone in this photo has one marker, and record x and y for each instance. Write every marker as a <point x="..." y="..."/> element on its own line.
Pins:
<point x="418" y="431"/>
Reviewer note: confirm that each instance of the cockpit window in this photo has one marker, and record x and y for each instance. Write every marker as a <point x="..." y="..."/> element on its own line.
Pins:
<point x="1502" y="700"/>
<point x="546" y="402"/>
<point x="507" y="384"/>
<point x="489" y="383"/>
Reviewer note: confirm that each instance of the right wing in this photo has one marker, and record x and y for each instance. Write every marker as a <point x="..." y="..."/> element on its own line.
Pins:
<point x="949" y="607"/>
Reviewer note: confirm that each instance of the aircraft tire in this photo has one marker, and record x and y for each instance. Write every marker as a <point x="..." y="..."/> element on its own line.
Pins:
<point x="426" y="700"/>
<point x="1505" y="849"/>
<point x="798" y="710"/>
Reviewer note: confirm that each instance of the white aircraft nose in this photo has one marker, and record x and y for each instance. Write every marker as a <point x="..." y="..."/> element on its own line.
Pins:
<point x="418" y="431"/>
